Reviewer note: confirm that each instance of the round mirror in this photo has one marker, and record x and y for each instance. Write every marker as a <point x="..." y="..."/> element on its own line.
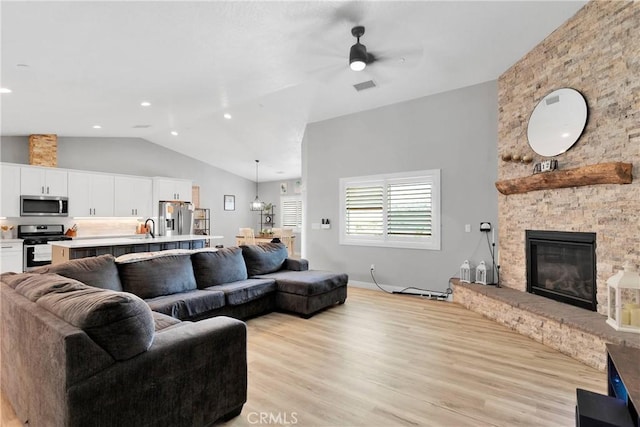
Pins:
<point x="557" y="122"/>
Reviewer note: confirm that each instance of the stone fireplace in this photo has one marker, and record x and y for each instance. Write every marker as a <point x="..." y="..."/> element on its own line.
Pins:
<point x="562" y="266"/>
<point x="590" y="54"/>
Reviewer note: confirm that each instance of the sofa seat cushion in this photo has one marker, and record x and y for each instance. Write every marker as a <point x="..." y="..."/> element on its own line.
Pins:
<point x="243" y="291"/>
<point x="99" y="271"/>
<point x="157" y="274"/>
<point x="226" y="265"/>
<point x="186" y="305"/>
<point x="264" y="258"/>
<point x="307" y="283"/>
<point x="119" y="322"/>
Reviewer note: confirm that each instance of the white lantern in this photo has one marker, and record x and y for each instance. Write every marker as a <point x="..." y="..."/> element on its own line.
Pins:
<point x="623" y="289"/>
<point x="466" y="271"/>
<point x="483" y="274"/>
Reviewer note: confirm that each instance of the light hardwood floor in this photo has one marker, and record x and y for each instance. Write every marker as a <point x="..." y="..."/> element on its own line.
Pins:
<point x="394" y="360"/>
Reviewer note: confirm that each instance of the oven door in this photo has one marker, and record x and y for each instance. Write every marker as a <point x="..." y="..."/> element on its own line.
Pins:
<point x="36" y="256"/>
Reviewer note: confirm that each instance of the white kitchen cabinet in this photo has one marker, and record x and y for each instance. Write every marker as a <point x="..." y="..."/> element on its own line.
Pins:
<point x="90" y="194"/>
<point x="172" y="189"/>
<point x="133" y="196"/>
<point x="10" y="197"/>
<point x="10" y="256"/>
<point x="41" y="181"/>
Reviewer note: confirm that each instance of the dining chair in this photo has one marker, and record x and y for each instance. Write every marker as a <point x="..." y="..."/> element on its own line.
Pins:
<point x="248" y="235"/>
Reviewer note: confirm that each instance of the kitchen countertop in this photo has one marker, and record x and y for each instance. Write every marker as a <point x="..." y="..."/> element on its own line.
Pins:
<point x="122" y="241"/>
<point x="11" y="240"/>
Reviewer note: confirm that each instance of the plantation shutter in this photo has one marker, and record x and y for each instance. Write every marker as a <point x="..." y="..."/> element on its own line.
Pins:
<point x="409" y="209"/>
<point x="291" y="212"/>
<point x="364" y="210"/>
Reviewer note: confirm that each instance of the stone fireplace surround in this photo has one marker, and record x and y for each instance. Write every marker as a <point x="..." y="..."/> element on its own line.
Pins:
<point x="596" y="52"/>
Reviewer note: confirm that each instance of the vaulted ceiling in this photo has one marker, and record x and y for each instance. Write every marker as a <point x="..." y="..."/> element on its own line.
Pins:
<point x="273" y="67"/>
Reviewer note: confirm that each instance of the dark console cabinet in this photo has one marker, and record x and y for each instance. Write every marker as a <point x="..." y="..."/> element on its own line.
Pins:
<point x="620" y="407"/>
<point x="623" y="377"/>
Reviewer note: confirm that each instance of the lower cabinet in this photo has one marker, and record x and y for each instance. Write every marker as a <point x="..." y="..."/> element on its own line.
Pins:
<point x="11" y="257"/>
<point x="87" y="252"/>
<point x="61" y="254"/>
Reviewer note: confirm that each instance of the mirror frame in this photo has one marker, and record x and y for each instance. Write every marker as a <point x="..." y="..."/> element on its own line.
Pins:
<point x="557" y="122"/>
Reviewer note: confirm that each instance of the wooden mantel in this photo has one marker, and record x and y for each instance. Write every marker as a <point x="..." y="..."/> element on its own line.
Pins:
<point x="602" y="173"/>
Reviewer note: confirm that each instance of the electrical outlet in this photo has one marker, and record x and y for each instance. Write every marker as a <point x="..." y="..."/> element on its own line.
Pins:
<point x="373" y="267"/>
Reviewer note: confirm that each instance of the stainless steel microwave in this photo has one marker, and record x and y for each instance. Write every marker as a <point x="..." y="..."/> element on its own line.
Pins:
<point x="44" y="206"/>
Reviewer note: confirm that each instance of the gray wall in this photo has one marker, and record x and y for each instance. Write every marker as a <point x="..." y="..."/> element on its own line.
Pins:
<point x="454" y="131"/>
<point x="136" y="156"/>
<point x="270" y="193"/>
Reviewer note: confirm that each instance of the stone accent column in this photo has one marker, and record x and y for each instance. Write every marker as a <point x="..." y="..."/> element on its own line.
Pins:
<point x="43" y="150"/>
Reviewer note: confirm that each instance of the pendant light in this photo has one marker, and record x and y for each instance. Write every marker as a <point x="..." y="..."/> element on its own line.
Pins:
<point x="257" y="205"/>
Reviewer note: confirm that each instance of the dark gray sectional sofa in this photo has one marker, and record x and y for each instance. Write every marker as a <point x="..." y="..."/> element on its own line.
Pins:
<point x="146" y="339"/>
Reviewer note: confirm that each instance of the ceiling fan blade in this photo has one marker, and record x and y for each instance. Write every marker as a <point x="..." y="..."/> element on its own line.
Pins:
<point x="407" y="57"/>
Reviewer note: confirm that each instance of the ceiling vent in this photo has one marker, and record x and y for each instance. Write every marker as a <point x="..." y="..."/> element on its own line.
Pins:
<point x="141" y="126"/>
<point x="364" y="85"/>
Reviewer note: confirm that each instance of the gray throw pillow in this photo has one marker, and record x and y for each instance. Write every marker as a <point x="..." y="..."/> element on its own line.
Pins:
<point x="215" y="268"/>
<point x="99" y="271"/>
<point x="264" y="258"/>
<point x="158" y="275"/>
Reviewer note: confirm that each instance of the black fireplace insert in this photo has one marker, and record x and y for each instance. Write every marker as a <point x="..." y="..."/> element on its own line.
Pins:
<point x="561" y="265"/>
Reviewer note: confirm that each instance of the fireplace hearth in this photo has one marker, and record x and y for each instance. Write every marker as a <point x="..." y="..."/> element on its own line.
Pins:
<point x="561" y="265"/>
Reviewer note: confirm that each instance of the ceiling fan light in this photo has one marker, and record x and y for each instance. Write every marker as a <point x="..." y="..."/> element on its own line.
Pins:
<point x="358" y="57"/>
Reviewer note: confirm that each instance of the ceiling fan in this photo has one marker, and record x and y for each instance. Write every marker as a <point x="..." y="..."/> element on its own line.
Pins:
<point x="395" y="49"/>
<point x="358" y="55"/>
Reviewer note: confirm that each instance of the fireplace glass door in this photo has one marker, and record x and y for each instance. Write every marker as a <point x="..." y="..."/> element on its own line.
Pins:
<point x="561" y="266"/>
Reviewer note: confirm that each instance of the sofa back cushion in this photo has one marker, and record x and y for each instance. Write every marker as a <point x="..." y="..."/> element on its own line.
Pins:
<point x="99" y="271"/>
<point x="215" y="268"/>
<point x="120" y="323"/>
<point x="264" y="258"/>
<point x="157" y="274"/>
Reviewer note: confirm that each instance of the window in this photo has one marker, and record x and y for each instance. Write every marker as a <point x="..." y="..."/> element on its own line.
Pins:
<point x="291" y="212"/>
<point x="395" y="210"/>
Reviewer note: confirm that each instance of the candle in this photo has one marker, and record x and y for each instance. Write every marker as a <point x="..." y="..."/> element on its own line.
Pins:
<point x="497" y="257"/>
<point x="635" y="317"/>
<point x="493" y="236"/>
<point x="625" y="318"/>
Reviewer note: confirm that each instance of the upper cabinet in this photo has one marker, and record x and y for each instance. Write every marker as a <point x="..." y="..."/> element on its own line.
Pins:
<point x="171" y="189"/>
<point x="10" y="197"/>
<point x="133" y="196"/>
<point x="90" y="194"/>
<point x="40" y="181"/>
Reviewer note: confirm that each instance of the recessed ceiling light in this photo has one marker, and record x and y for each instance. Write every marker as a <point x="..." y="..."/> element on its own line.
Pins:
<point x="97" y="127"/>
<point x="227" y="116"/>
<point x="5" y="90"/>
<point x="174" y="133"/>
<point x="145" y="103"/>
<point x="566" y="135"/>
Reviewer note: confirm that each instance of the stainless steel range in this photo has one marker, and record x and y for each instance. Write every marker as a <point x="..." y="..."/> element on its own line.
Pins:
<point x="37" y="251"/>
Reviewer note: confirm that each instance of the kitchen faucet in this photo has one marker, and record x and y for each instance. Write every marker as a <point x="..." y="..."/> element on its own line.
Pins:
<point x="151" y="230"/>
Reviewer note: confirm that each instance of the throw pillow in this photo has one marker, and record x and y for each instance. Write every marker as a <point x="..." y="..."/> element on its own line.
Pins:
<point x="264" y="258"/>
<point x="215" y="268"/>
<point x="157" y="275"/>
<point x="99" y="271"/>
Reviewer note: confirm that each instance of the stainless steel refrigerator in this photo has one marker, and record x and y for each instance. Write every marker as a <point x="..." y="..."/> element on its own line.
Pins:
<point x="175" y="218"/>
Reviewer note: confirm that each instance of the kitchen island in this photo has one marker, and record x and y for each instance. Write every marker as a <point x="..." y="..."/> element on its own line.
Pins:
<point x="66" y="250"/>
